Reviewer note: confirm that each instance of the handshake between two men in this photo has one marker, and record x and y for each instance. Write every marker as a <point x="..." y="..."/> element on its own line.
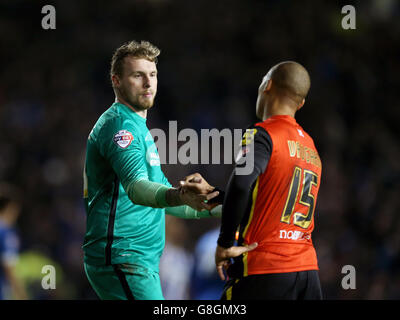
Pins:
<point x="200" y="195"/>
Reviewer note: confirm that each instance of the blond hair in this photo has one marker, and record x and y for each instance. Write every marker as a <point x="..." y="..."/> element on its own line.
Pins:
<point x="142" y="50"/>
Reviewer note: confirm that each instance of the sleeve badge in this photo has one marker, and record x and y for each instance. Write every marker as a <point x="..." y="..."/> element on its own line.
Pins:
<point x="123" y="138"/>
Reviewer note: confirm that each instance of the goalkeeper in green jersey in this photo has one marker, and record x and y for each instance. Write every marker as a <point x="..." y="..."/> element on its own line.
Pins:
<point x="126" y="194"/>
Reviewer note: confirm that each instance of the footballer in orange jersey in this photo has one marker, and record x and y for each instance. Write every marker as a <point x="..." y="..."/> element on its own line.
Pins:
<point x="270" y="212"/>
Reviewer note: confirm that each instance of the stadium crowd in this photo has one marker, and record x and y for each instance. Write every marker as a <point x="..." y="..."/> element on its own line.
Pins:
<point x="55" y="83"/>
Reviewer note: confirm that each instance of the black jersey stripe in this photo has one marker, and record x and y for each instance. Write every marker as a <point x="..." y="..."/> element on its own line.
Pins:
<point x="124" y="282"/>
<point x="237" y="268"/>
<point x="111" y="220"/>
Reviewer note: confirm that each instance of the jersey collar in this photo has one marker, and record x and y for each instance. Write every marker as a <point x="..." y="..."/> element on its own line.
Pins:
<point x="130" y="112"/>
<point x="283" y="117"/>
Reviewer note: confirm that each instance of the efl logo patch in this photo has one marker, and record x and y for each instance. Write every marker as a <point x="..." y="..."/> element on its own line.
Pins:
<point x="123" y="138"/>
<point x="248" y="136"/>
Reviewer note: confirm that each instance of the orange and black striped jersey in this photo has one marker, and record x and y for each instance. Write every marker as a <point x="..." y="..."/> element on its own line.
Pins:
<point x="274" y="205"/>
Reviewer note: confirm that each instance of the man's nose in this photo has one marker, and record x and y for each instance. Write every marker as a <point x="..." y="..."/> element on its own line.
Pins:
<point x="146" y="82"/>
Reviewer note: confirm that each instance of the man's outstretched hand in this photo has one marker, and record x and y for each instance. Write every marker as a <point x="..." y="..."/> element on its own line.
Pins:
<point x="223" y="256"/>
<point x="195" y="184"/>
<point x="197" y="201"/>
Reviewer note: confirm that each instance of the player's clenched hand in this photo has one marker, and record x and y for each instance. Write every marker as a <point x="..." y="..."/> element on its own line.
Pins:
<point x="197" y="201"/>
<point x="223" y="255"/>
<point x="196" y="183"/>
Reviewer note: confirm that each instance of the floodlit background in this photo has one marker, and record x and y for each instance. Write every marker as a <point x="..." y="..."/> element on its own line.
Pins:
<point x="54" y="84"/>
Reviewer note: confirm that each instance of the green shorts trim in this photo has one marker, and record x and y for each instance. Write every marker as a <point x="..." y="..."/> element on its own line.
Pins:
<point x="124" y="282"/>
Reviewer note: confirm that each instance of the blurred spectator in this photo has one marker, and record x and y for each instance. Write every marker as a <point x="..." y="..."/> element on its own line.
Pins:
<point x="11" y="286"/>
<point x="32" y="270"/>
<point x="205" y="282"/>
<point x="176" y="262"/>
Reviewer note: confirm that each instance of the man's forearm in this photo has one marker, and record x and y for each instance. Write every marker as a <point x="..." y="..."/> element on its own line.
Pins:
<point x="153" y="194"/>
<point x="236" y="204"/>
<point x="172" y="197"/>
<point x="186" y="212"/>
<point x="238" y="198"/>
<point x="156" y="195"/>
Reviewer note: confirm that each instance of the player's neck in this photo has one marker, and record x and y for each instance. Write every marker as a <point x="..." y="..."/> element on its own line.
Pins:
<point x="279" y="110"/>
<point x="142" y="113"/>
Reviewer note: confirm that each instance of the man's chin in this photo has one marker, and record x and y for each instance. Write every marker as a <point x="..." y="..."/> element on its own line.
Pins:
<point x="146" y="106"/>
<point x="142" y="106"/>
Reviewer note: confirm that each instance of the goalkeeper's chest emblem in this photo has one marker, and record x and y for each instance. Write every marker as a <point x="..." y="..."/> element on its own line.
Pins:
<point x="123" y="138"/>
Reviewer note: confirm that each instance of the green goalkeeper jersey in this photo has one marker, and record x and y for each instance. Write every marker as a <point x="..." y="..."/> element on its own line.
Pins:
<point x="121" y="150"/>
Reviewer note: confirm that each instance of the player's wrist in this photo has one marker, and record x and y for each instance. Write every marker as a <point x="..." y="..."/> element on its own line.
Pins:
<point x="173" y="197"/>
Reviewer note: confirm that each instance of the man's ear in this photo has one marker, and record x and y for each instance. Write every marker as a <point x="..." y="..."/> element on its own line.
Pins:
<point x="115" y="80"/>
<point x="301" y="104"/>
<point x="268" y="86"/>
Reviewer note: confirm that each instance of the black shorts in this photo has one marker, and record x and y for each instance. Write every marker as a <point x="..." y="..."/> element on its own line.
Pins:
<point x="303" y="285"/>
